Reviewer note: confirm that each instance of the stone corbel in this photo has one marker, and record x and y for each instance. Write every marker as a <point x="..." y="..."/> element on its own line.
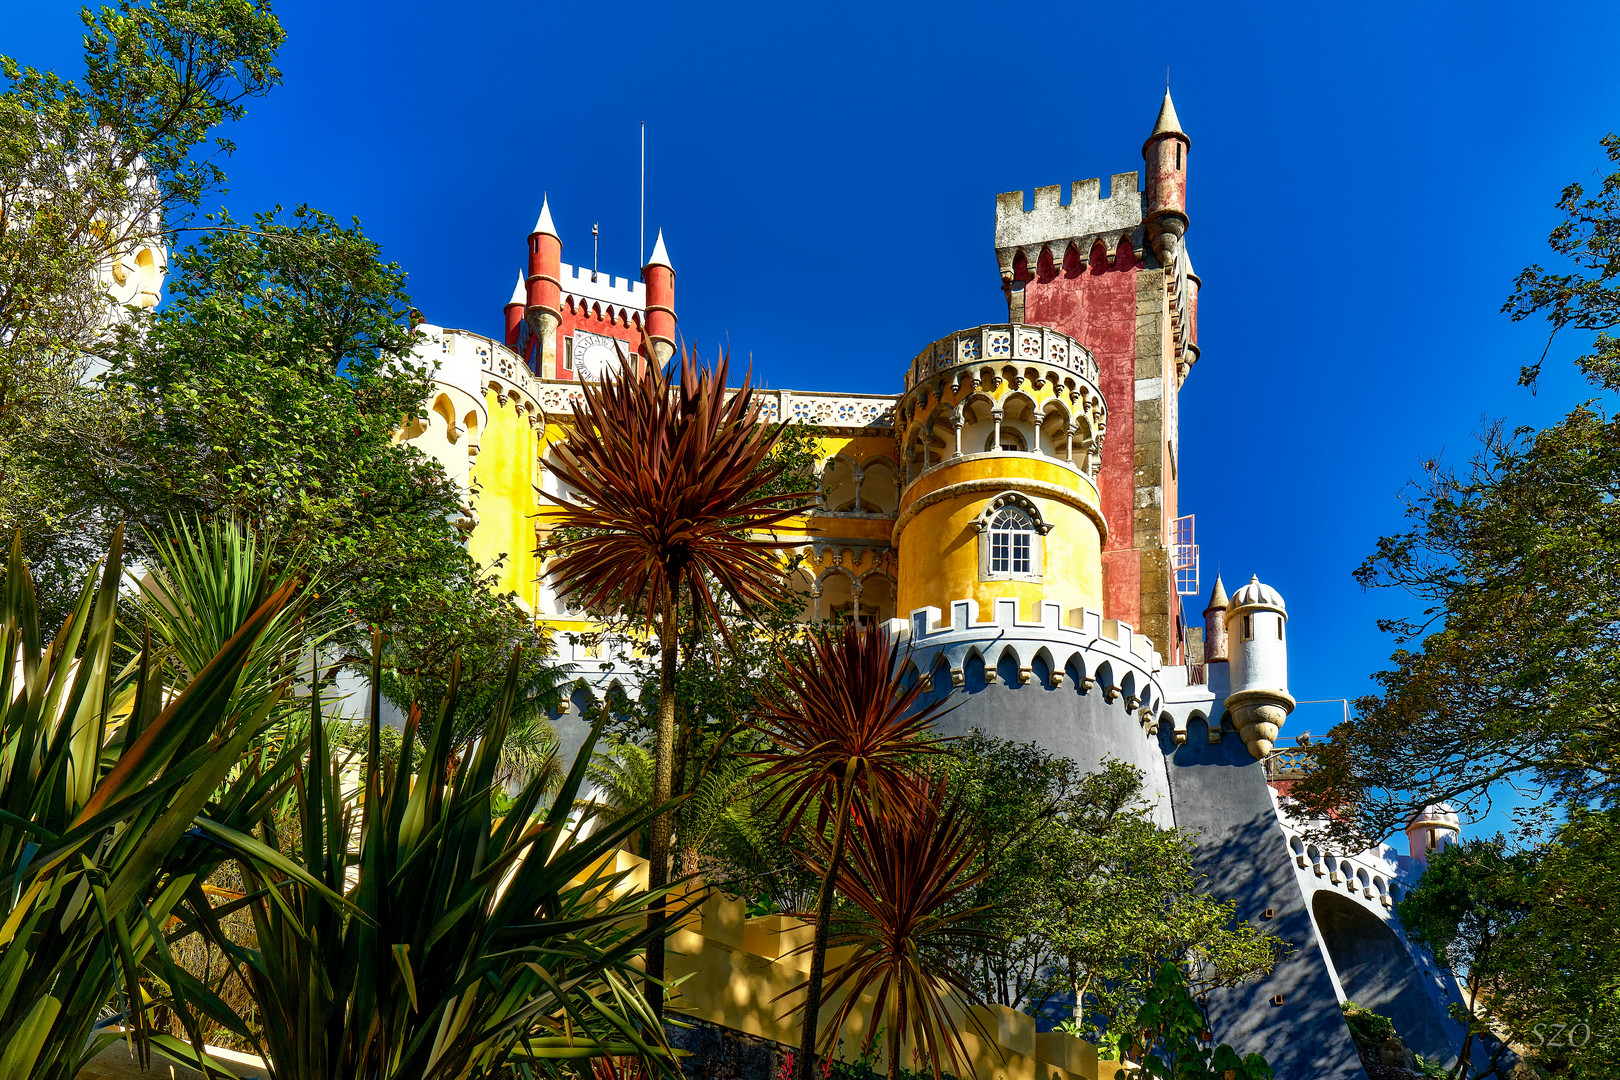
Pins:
<point x="1025" y="675"/>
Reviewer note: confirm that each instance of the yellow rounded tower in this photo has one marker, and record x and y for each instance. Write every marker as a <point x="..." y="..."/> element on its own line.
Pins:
<point x="1000" y="432"/>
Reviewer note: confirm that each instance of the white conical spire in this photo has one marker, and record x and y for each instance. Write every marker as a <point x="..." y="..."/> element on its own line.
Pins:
<point x="544" y="225"/>
<point x="1167" y="124"/>
<point x="660" y="257"/>
<point x="519" y="296"/>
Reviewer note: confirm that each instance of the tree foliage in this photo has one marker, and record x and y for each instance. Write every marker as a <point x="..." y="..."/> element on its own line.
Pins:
<point x="1512" y="672"/>
<point x="1091" y="897"/>
<point x="1530" y="931"/>
<point x="471" y="942"/>
<point x="1172" y="1043"/>
<point x="91" y="171"/>
<point x="93" y="168"/>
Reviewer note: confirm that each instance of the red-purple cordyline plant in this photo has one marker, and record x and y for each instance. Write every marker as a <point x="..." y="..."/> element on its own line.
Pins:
<point x="909" y="874"/>
<point x="670" y="492"/>
<point x="846" y="729"/>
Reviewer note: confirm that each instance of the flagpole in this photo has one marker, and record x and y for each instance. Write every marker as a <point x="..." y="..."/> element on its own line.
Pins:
<point x="643" y="237"/>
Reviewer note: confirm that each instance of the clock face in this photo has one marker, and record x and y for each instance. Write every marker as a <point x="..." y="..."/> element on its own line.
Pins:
<point x="595" y="355"/>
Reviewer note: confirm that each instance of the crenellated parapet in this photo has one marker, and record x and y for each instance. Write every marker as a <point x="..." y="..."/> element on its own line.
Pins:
<point x="1050" y="227"/>
<point x="1081" y="649"/>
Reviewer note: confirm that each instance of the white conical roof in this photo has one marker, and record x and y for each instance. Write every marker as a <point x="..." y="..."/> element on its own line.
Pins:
<point x="660" y="257"/>
<point x="519" y="296"/>
<point x="1167" y="123"/>
<point x="1257" y="594"/>
<point x="544" y="226"/>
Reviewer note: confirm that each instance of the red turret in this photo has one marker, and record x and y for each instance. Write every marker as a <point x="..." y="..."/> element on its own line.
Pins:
<point x="1165" y="154"/>
<point x="544" y="292"/>
<point x="660" y="279"/>
<point x="514" y="312"/>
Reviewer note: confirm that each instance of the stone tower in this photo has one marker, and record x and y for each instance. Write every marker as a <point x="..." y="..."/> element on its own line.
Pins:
<point x="1114" y="273"/>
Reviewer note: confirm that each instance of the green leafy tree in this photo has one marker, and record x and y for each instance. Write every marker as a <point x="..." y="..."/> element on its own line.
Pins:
<point x="1512" y="671"/>
<point x="1464" y="910"/>
<point x="1530" y="932"/>
<point x="92" y="171"/>
<point x="270" y="390"/>
<point x="1090" y="896"/>
<point x="1564" y="1004"/>
<point x="1172" y="1042"/>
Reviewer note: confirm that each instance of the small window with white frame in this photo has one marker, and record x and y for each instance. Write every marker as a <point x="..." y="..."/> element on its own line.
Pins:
<point x="1011" y="539"/>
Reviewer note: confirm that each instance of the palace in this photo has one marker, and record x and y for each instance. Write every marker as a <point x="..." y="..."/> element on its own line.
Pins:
<point x="1013" y="510"/>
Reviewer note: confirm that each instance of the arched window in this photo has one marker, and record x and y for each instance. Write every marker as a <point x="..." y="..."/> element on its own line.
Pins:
<point x="1011" y="539"/>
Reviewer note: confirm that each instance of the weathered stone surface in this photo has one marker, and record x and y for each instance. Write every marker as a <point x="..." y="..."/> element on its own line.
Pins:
<point x="719" y="1053"/>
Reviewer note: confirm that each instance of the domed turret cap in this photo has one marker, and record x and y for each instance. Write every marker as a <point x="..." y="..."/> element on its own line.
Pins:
<point x="1436" y="814"/>
<point x="1257" y="594"/>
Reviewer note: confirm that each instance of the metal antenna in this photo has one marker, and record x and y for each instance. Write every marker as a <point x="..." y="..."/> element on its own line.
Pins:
<point x="595" y="247"/>
<point x="643" y="237"/>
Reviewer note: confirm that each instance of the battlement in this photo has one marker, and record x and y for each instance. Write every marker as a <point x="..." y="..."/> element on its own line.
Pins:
<point x="616" y="291"/>
<point x="1085" y="647"/>
<point x="1086" y="215"/>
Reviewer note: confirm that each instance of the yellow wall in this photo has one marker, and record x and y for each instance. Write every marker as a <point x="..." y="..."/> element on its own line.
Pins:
<point x="740" y="973"/>
<point x="505" y="475"/>
<point x="939" y="543"/>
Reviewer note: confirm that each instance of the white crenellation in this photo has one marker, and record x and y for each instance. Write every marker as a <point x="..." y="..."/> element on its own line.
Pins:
<point x="1093" y="647"/>
<point x="622" y="294"/>
<point x="1375" y="879"/>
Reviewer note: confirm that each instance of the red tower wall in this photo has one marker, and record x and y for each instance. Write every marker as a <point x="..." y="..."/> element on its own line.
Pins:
<point x="1095" y="300"/>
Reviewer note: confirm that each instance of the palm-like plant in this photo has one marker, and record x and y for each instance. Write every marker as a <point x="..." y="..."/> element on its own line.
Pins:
<point x="909" y="875"/>
<point x="476" y="943"/>
<point x="118" y="795"/>
<point x="671" y="488"/>
<point x="846" y="728"/>
<point x="202" y="587"/>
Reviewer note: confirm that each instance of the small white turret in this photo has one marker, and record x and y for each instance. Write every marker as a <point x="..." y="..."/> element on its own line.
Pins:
<point x="1257" y="648"/>
<point x="1434" y="828"/>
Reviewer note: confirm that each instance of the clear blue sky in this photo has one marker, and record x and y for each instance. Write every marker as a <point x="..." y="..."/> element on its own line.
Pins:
<point x="1364" y="182"/>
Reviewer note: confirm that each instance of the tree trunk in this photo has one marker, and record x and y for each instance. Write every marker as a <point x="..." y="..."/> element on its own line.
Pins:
<point x="1466" y="1052"/>
<point x="663" y="779"/>
<point x="894" y="1036"/>
<point x="818" y="947"/>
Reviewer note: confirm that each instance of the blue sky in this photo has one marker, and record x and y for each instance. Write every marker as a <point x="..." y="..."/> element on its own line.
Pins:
<point x="1364" y="182"/>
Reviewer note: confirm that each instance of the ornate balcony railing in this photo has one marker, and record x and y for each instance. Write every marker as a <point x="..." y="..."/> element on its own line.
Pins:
<point x="1001" y="344"/>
